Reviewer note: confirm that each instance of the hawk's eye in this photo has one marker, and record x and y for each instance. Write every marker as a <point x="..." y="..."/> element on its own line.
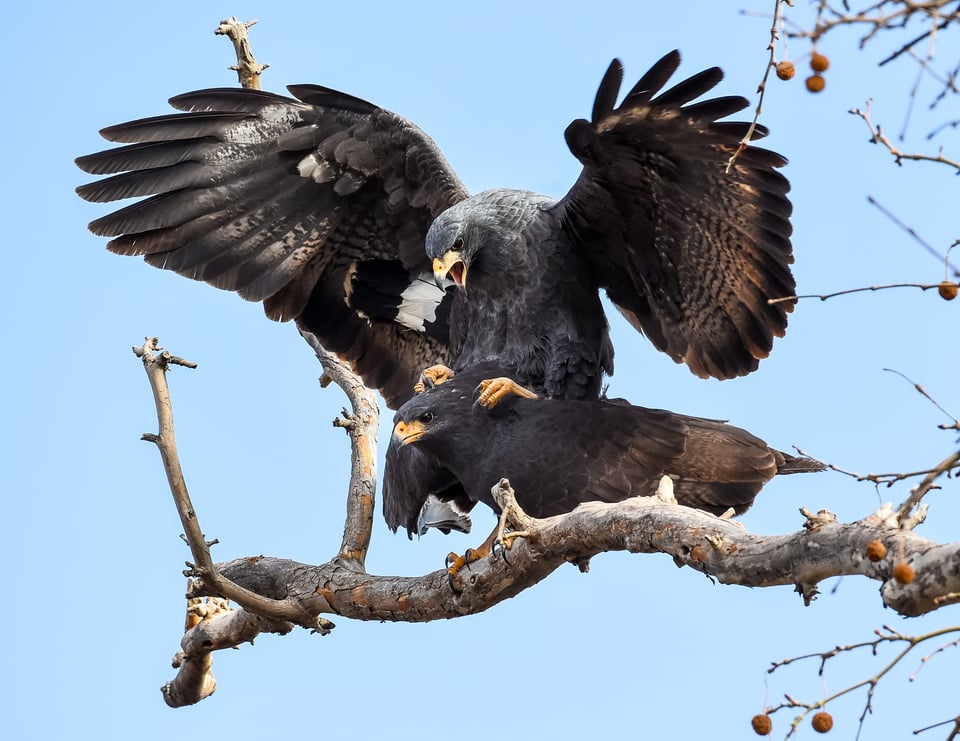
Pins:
<point x="426" y="417"/>
<point x="458" y="243"/>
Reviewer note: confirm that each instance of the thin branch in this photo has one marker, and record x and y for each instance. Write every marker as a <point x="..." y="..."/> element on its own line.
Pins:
<point x="362" y="425"/>
<point x="762" y="87"/>
<point x="247" y="68"/>
<point x="885" y="635"/>
<point x="888" y="16"/>
<point x="878" y="137"/>
<point x="923" y="392"/>
<point x="194" y="680"/>
<point x="885" y="479"/>
<point x="928" y="483"/>
<point x="825" y="296"/>
<point x="944" y="258"/>
<point x="155" y="362"/>
<point x="829" y="19"/>
<point x="955" y="733"/>
<point x="930" y="33"/>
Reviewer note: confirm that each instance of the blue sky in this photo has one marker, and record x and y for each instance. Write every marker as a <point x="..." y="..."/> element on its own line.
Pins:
<point x="93" y="611"/>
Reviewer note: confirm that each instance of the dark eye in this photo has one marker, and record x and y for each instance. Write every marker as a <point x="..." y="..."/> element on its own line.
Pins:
<point x="458" y="243"/>
<point x="426" y="417"/>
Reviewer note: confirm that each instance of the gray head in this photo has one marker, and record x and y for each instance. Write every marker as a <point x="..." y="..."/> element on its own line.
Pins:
<point x="493" y="219"/>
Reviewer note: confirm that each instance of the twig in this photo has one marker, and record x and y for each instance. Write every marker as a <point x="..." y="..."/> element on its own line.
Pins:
<point x="825" y="296"/>
<point x="889" y="479"/>
<point x="944" y="258"/>
<point x="247" y="68"/>
<point x="894" y="16"/>
<point x="762" y="87"/>
<point x="878" y="137"/>
<point x="928" y="483"/>
<point x="885" y="635"/>
<point x="922" y="391"/>
<point x="929" y="33"/>
<point x="955" y="733"/>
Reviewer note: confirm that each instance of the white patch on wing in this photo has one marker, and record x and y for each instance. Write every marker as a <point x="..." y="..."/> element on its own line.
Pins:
<point x="270" y="121"/>
<point x="419" y="302"/>
<point x="319" y="170"/>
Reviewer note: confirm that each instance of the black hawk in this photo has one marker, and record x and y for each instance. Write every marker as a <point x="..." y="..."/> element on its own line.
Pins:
<point x="559" y="453"/>
<point x="346" y="218"/>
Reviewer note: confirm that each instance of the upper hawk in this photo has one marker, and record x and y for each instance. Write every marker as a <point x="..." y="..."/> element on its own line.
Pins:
<point x="347" y="218"/>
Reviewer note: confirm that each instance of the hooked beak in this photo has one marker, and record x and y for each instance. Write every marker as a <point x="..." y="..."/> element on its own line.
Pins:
<point x="451" y="264"/>
<point x="406" y="433"/>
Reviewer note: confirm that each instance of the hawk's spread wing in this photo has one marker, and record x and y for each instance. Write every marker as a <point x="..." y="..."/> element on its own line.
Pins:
<point x="688" y="252"/>
<point x="286" y="201"/>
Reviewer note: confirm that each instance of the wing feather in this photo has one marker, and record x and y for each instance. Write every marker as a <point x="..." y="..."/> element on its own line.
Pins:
<point x="276" y="198"/>
<point x="690" y="253"/>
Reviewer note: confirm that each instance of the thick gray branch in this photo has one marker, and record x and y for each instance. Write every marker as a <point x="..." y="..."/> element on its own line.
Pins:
<point x="722" y="549"/>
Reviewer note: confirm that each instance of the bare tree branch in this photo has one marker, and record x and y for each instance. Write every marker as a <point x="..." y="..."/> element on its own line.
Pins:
<point x="247" y="68"/>
<point x="928" y="483"/>
<point x="716" y="547"/>
<point x="944" y="258"/>
<point x="886" y="635"/>
<point x="362" y="425"/>
<point x="878" y="137"/>
<point x="847" y="291"/>
<point x="195" y="681"/>
<point x="762" y="87"/>
<point x="211" y="625"/>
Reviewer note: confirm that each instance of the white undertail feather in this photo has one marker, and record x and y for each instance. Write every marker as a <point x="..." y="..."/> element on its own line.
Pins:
<point x="442" y="515"/>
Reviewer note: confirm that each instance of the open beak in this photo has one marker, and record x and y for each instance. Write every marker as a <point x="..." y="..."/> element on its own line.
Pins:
<point x="405" y="433"/>
<point x="452" y="265"/>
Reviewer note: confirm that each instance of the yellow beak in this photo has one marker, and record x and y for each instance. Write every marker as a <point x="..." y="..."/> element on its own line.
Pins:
<point x="405" y="433"/>
<point x="451" y="264"/>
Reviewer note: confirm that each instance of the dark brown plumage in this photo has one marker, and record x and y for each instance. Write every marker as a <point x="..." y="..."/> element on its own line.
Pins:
<point x="559" y="453"/>
<point x="330" y="210"/>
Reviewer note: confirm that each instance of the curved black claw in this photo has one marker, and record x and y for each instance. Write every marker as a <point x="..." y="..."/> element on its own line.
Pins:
<point x="503" y="552"/>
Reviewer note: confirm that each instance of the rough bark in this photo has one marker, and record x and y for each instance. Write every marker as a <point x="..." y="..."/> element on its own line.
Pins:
<point x="718" y="548"/>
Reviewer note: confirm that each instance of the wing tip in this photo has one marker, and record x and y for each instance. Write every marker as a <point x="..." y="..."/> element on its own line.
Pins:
<point x="606" y="99"/>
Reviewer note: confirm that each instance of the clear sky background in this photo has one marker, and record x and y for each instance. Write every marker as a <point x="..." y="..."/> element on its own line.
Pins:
<point x="93" y="607"/>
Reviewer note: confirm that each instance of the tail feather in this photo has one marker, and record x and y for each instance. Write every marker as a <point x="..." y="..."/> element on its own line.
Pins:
<point x="799" y="464"/>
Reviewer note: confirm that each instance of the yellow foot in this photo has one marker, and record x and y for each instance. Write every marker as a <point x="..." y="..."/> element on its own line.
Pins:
<point x="456" y="563"/>
<point x="499" y="541"/>
<point x="493" y="390"/>
<point x="433" y="376"/>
